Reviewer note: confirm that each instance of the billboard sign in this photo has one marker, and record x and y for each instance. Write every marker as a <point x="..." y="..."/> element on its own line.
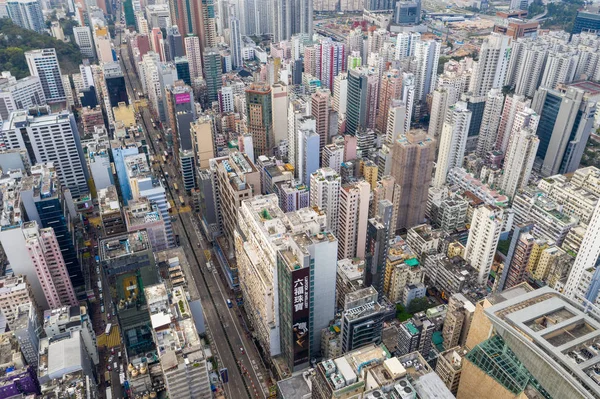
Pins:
<point x="300" y="314"/>
<point x="182" y="98"/>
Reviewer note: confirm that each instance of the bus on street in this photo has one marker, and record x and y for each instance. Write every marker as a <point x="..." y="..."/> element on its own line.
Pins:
<point x="108" y="329"/>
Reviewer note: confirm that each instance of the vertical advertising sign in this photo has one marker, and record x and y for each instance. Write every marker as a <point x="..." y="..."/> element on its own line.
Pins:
<point x="300" y="314"/>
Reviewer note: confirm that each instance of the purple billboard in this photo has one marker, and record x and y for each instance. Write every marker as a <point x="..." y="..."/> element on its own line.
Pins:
<point x="182" y="98"/>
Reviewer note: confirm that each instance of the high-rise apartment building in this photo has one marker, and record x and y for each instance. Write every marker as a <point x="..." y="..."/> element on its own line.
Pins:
<point x="362" y="319"/>
<point x="259" y="110"/>
<point x="363" y="84"/>
<point x="453" y="141"/>
<point x="519" y="160"/>
<point x="62" y="148"/>
<point x="256" y="245"/>
<point x="308" y="154"/>
<point x="320" y="111"/>
<point x="202" y="132"/>
<point x="157" y="43"/>
<point x="402" y="270"/>
<point x="484" y="235"/>
<point x="84" y="40"/>
<point x="340" y="93"/>
<point x="237" y="179"/>
<point x="235" y="42"/>
<point x="566" y="120"/>
<point x="194" y="56"/>
<point x="490" y="122"/>
<point x="526" y="66"/>
<point x="560" y="68"/>
<point x="183" y="15"/>
<point x="397" y="122"/>
<point x="298" y="118"/>
<point x="440" y="102"/>
<point x="115" y="84"/>
<point x="63" y="319"/>
<point x="174" y="45"/>
<point x="257" y="242"/>
<point x="333" y="156"/>
<point x="44" y="64"/>
<point x="280" y="103"/>
<point x="19" y="94"/>
<point x="142" y="184"/>
<point x="144" y="215"/>
<point x="427" y="54"/>
<point x="26" y="14"/>
<point x="306" y="300"/>
<point x="412" y="165"/>
<point x="490" y="72"/>
<point x="377" y="245"/>
<point x="512" y="105"/>
<point x="51" y="270"/>
<point x="458" y="320"/>
<point x="332" y="58"/>
<point x="352" y="219"/>
<point x="390" y="89"/>
<point x="15" y="292"/>
<point x="587" y="257"/>
<point x="325" y="186"/>
<point x="212" y="73"/>
<point x="292" y="17"/>
<point x="47" y="202"/>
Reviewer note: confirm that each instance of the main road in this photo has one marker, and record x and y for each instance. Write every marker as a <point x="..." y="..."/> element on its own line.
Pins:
<point x="235" y="349"/>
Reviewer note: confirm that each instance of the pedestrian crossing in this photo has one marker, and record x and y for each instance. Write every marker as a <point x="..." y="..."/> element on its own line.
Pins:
<point x="110" y="341"/>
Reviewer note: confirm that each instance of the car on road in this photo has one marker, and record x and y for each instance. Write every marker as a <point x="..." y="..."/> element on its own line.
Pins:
<point x="109" y="368"/>
<point x="242" y="351"/>
<point x="177" y="239"/>
<point x="108" y="316"/>
<point x="112" y="351"/>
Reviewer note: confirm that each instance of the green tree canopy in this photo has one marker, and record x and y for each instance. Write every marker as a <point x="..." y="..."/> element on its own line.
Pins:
<point x="15" y="41"/>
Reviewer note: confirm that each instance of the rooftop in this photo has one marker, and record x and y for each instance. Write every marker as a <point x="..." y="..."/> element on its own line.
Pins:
<point x="108" y="199"/>
<point x="141" y="212"/>
<point x="173" y="326"/>
<point x="303" y="241"/>
<point x="11" y="216"/>
<point x="137" y="166"/>
<point x="295" y="387"/>
<point x="556" y="329"/>
<point x="19" y="119"/>
<point x="587" y="85"/>
<point x="351" y="269"/>
<point x="43" y="181"/>
<point x="64" y="315"/>
<point x="124" y="245"/>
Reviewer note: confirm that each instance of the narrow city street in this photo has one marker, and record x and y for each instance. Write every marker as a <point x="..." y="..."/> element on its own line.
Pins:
<point x="235" y="349"/>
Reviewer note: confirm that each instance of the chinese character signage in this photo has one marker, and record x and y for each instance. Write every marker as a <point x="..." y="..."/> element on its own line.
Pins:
<point x="300" y="314"/>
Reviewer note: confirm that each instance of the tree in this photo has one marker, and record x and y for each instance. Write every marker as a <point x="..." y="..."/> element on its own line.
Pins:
<point x="418" y="305"/>
<point x="15" y="41"/>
